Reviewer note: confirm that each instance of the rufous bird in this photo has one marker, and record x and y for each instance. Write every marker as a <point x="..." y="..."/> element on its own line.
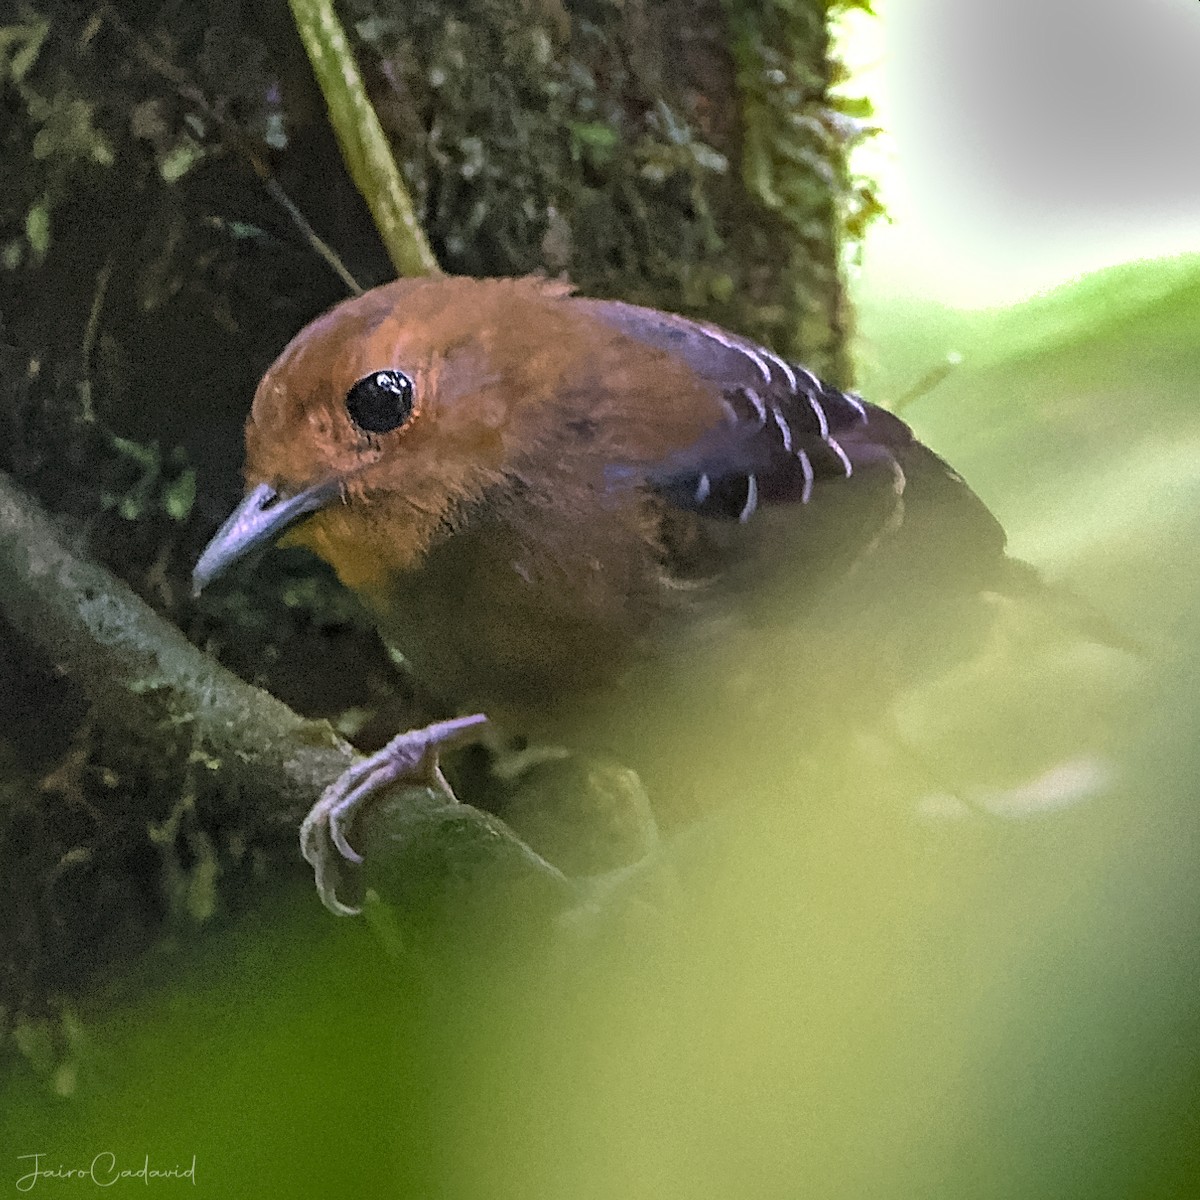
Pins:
<point x="543" y="497"/>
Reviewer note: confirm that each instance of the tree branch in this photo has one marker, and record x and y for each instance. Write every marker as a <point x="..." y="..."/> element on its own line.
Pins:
<point x="133" y="665"/>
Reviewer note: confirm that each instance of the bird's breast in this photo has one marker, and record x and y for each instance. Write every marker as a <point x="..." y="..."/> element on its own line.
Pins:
<point x="527" y="621"/>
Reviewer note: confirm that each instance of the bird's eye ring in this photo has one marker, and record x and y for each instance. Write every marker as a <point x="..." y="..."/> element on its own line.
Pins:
<point x="381" y="401"/>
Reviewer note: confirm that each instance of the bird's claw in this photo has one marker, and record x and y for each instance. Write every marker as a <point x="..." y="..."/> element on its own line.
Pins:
<point x="412" y="755"/>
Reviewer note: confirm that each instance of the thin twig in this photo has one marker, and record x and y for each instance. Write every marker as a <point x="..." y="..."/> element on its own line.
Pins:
<point x="932" y="378"/>
<point x="89" y="336"/>
<point x="188" y="91"/>
<point x="140" y="671"/>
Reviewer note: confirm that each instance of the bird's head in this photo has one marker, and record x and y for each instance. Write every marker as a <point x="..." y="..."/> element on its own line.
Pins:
<point x="385" y="419"/>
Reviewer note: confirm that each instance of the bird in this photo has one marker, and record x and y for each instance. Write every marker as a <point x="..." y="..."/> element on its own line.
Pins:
<point x="548" y="501"/>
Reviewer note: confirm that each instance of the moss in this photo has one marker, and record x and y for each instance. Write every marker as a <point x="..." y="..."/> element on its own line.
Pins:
<point x="797" y="136"/>
<point x="687" y="157"/>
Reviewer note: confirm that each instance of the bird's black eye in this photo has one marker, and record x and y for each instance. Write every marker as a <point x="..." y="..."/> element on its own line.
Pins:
<point x="381" y="401"/>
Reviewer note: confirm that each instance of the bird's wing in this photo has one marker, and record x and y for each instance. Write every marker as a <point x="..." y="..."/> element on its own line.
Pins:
<point x="786" y="432"/>
<point x="784" y="428"/>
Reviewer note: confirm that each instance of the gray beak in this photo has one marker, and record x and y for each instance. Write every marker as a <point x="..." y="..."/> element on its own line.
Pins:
<point x="260" y="518"/>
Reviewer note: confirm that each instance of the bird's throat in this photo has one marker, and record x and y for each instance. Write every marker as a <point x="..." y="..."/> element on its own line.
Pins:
<point x="366" y="556"/>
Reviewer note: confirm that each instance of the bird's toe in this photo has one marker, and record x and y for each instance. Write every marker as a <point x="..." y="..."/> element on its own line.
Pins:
<point x="413" y="756"/>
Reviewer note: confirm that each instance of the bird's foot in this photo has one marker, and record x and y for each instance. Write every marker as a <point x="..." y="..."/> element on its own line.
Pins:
<point x="412" y="755"/>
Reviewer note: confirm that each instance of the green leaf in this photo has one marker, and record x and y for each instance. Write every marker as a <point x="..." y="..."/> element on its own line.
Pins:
<point x="178" y="497"/>
<point x="37" y="228"/>
<point x="33" y="36"/>
<point x="594" y="141"/>
<point x="179" y="160"/>
<point x="855" y="106"/>
<point x="147" y="456"/>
